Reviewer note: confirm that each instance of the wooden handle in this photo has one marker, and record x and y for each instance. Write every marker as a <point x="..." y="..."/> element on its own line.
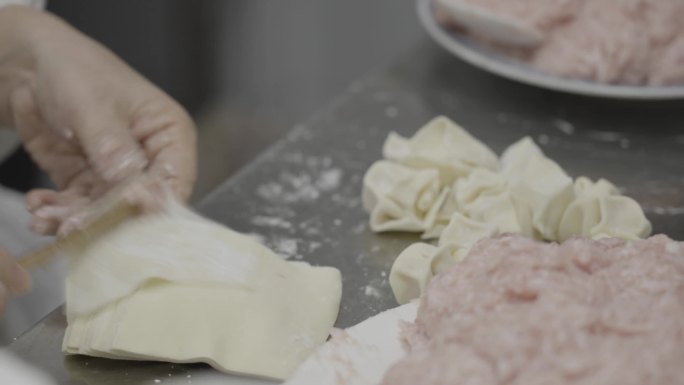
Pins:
<point x="109" y="218"/>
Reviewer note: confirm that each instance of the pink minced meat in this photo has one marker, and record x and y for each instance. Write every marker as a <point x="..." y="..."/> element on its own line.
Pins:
<point x="633" y="42"/>
<point x="521" y="312"/>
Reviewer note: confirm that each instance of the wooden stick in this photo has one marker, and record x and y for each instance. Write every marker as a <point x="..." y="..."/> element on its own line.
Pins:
<point x="110" y="217"/>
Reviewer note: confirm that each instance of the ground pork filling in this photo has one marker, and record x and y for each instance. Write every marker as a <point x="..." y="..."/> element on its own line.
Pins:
<point x="634" y="42"/>
<point x="517" y="311"/>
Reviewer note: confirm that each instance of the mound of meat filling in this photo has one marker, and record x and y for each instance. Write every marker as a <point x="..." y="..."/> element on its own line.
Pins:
<point x="517" y="311"/>
<point x="633" y="42"/>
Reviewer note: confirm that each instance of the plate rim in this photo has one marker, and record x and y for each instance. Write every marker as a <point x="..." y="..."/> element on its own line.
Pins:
<point x="532" y="77"/>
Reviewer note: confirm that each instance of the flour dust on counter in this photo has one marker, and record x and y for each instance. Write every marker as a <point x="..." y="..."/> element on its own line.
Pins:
<point x="313" y="177"/>
<point x="204" y="294"/>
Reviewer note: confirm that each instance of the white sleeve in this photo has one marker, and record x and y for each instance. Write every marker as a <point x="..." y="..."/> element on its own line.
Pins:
<point x="31" y="3"/>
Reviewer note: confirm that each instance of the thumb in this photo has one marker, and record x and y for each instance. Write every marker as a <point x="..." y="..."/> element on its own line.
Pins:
<point x="108" y="143"/>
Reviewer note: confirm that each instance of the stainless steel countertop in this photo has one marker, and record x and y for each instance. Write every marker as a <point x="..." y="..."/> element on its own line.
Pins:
<point x="290" y="196"/>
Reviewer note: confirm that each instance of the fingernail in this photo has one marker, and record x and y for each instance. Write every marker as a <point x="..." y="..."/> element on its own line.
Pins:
<point x="21" y="281"/>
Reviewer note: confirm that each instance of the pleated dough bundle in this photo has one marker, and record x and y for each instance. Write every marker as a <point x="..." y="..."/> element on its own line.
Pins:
<point x="445" y="184"/>
<point x="410" y="190"/>
<point x="177" y="287"/>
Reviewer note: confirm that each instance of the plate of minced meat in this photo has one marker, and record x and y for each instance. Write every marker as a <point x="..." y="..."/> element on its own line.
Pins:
<point x="630" y="49"/>
<point x="518" y="311"/>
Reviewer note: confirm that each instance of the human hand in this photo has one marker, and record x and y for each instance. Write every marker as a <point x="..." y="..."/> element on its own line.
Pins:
<point x="14" y="280"/>
<point x="89" y="121"/>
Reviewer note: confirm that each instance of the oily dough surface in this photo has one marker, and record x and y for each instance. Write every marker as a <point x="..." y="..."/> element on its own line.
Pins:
<point x="236" y="305"/>
<point x="519" y="312"/>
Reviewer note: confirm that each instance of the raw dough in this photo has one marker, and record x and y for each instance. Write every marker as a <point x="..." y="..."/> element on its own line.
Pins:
<point x="178" y="247"/>
<point x="444" y="183"/>
<point x="412" y="271"/>
<point x="485" y="196"/>
<point x="539" y="185"/>
<point x="400" y="198"/>
<point x="263" y="318"/>
<point x="441" y="145"/>
<point x="415" y="267"/>
<point x="600" y="211"/>
<point x="359" y="355"/>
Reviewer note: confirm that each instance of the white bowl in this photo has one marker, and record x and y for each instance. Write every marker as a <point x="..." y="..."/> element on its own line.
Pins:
<point x="464" y="47"/>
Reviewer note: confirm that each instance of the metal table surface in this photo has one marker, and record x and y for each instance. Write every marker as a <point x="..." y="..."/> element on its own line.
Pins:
<point x="302" y="196"/>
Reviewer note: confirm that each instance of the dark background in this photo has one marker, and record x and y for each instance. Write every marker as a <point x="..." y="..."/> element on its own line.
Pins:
<point x="247" y="70"/>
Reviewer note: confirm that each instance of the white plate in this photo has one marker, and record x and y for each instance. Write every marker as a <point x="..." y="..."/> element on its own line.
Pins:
<point x="470" y="51"/>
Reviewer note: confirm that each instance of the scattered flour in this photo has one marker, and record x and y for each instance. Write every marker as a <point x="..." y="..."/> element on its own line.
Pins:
<point x="271" y="222"/>
<point x="257" y="237"/>
<point x="605" y="136"/>
<point x="564" y="126"/>
<point x="391" y="112"/>
<point x="285" y="247"/>
<point x="667" y="210"/>
<point x="329" y="179"/>
<point x="313" y="246"/>
<point x="358" y="229"/>
<point x="371" y="291"/>
<point x="543" y="139"/>
<point x="314" y="176"/>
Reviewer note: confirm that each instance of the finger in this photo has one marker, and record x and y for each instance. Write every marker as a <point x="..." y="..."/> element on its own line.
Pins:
<point x="73" y="223"/>
<point x="108" y="143"/>
<point x="50" y="209"/>
<point x="172" y="150"/>
<point x="39" y="198"/>
<point x="15" y="279"/>
<point x="148" y="194"/>
<point x="45" y="226"/>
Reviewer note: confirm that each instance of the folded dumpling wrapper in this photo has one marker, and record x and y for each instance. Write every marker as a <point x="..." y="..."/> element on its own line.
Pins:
<point x="485" y="196"/>
<point x="359" y="355"/>
<point x="415" y="267"/>
<point x="441" y="145"/>
<point x="179" y="288"/>
<point x="530" y="195"/>
<point x="400" y="198"/>
<point x="539" y="185"/>
<point x="599" y="211"/>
